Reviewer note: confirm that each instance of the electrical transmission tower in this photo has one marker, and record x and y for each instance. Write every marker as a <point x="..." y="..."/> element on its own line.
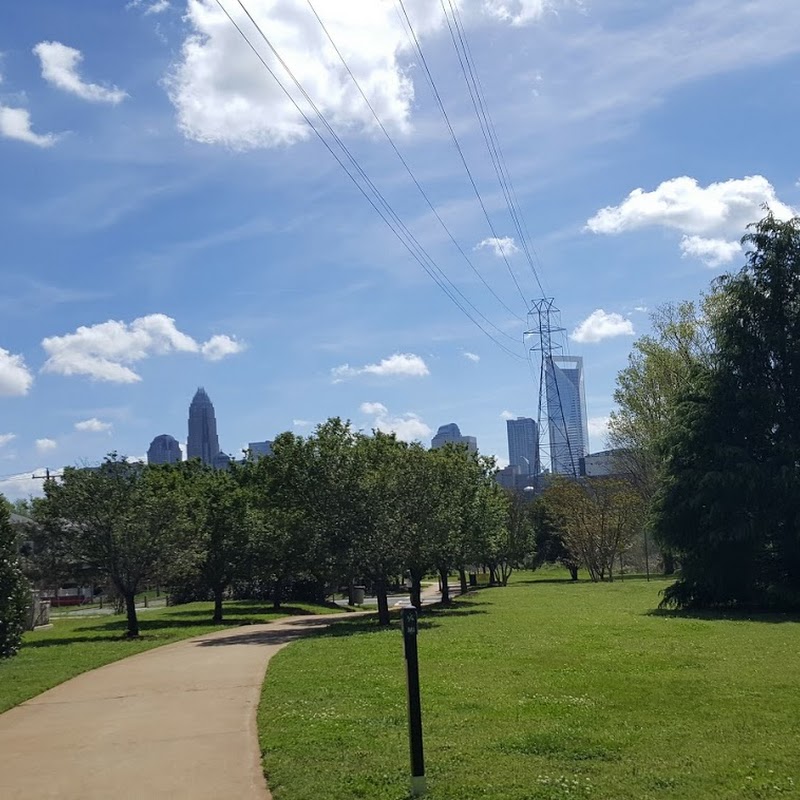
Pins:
<point x="546" y="333"/>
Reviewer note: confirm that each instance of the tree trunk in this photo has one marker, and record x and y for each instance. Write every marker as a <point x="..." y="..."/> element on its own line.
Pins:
<point x="462" y="576"/>
<point x="669" y="563"/>
<point x="130" y="609"/>
<point x="217" y="604"/>
<point x="492" y="576"/>
<point x="277" y="594"/>
<point x="351" y="592"/>
<point x="416" y="593"/>
<point x="573" y="573"/>
<point x="443" y="573"/>
<point x="383" y="602"/>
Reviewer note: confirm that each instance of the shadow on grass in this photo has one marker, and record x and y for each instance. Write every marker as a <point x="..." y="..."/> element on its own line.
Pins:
<point x="712" y="615"/>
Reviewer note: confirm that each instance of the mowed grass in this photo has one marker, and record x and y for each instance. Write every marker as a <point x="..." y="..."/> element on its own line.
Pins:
<point x="539" y="691"/>
<point x="76" y="644"/>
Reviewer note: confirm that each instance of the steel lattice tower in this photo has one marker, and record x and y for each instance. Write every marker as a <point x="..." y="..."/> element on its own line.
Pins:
<point x="546" y="333"/>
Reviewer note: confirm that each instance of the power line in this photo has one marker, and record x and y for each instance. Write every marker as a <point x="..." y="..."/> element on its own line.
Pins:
<point x="405" y="163"/>
<point x="477" y="94"/>
<point x="440" y="103"/>
<point x="394" y="222"/>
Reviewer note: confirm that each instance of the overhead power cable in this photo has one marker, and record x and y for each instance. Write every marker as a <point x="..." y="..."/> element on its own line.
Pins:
<point x="405" y="164"/>
<point x="416" y="45"/>
<point x="377" y="200"/>
<point x="477" y="95"/>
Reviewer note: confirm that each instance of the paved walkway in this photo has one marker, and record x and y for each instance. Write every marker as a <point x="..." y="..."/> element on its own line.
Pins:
<point x="175" y="722"/>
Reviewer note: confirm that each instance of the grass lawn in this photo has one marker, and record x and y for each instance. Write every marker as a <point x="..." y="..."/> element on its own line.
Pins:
<point x="77" y="644"/>
<point x="543" y="690"/>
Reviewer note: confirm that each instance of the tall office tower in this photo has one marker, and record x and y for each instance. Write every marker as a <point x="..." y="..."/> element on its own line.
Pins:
<point x="164" y="449"/>
<point x="202" y="442"/>
<point x="523" y="445"/>
<point x="452" y="433"/>
<point x="260" y="449"/>
<point x="566" y="413"/>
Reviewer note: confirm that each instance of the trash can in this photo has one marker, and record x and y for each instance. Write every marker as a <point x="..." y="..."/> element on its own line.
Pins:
<point x="358" y="595"/>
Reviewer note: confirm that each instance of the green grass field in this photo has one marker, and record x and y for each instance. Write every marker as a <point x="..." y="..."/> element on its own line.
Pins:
<point x="75" y="645"/>
<point x="538" y="691"/>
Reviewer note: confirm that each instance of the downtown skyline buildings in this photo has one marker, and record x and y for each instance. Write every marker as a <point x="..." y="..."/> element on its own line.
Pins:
<point x="568" y="426"/>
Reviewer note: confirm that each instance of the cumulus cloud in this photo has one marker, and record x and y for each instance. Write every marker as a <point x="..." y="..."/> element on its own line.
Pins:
<point x="711" y="218"/>
<point x="220" y="346"/>
<point x="598" y="428"/>
<point x="507" y="415"/>
<point x="15" y="123"/>
<point x="713" y="252"/>
<point x="5" y="438"/>
<point x="106" y="351"/>
<point x="60" y="68"/>
<point x="601" y="325"/>
<point x="499" y="245"/>
<point x="406" y="365"/>
<point x="93" y="425"/>
<point x="223" y="95"/>
<point x="155" y="7"/>
<point x="46" y="445"/>
<point x="301" y="423"/>
<point x="407" y="427"/>
<point x="474" y="357"/>
<point x="15" y="377"/>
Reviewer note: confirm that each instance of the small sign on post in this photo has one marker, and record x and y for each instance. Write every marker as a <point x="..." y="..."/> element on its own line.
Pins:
<point x="414" y="706"/>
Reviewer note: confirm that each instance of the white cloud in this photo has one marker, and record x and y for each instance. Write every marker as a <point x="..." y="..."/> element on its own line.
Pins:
<point x="598" y="426"/>
<point x="107" y="350"/>
<point x="374" y="408"/>
<point x="301" y="423"/>
<point x="499" y="245"/>
<point x="713" y="252"/>
<point x="93" y="425"/>
<point x="219" y="346"/>
<point x="5" y="438"/>
<point x="60" y="68"/>
<point x="405" y="365"/>
<point x="708" y="217"/>
<point x="471" y="356"/>
<point x="601" y="325"/>
<point x="15" y="123"/>
<point x="407" y="427"/>
<point x="46" y="445"/>
<point x="155" y="7"/>
<point x="223" y="94"/>
<point x="517" y="12"/>
<point x="641" y="309"/>
<point x="24" y="485"/>
<point x="507" y="415"/>
<point x="501" y="462"/>
<point x="15" y="377"/>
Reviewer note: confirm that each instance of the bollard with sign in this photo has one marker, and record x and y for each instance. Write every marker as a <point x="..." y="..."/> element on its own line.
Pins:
<point x="414" y="706"/>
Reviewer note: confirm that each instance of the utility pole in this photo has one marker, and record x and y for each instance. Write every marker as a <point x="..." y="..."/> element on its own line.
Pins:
<point x="46" y="477"/>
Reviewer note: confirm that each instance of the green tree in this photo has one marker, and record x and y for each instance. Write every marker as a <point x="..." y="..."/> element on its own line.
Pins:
<point x="120" y="520"/>
<point x="15" y="596"/>
<point x="549" y="541"/>
<point x="729" y="503"/>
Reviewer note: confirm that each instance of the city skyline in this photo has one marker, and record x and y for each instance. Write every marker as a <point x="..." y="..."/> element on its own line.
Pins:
<point x="202" y="441"/>
<point x="523" y="445"/>
<point x="566" y="413"/>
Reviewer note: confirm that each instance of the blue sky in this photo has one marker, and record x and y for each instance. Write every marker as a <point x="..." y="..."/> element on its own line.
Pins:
<point x="167" y="220"/>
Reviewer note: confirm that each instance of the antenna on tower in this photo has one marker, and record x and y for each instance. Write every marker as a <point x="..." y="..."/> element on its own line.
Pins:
<point x="544" y="327"/>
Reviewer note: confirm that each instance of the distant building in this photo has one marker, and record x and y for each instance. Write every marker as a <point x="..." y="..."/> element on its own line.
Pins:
<point x="523" y="445"/>
<point x="260" y="449"/>
<point x="566" y="414"/>
<point x="605" y="463"/>
<point x="164" y="449"/>
<point x="203" y="442"/>
<point x="221" y="461"/>
<point x="451" y="433"/>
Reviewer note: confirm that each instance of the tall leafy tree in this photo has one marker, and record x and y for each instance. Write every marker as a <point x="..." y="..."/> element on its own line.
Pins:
<point x="729" y="504"/>
<point x="15" y="593"/>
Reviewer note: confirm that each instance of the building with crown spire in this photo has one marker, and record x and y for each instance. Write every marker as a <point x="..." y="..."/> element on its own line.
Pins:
<point x="203" y="442"/>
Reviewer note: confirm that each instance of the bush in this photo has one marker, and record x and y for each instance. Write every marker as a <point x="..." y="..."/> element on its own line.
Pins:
<point x="15" y="593"/>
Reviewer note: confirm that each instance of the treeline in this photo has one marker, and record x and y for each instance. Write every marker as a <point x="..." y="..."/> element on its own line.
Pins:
<point x="325" y="511"/>
<point x="709" y="424"/>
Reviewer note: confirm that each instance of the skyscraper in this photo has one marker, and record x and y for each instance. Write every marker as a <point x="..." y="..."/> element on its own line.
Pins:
<point x="566" y="414"/>
<point x="452" y="433"/>
<point x="164" y="449"/>
<point x="202" y="442"/>
<point x="523" y="445"/>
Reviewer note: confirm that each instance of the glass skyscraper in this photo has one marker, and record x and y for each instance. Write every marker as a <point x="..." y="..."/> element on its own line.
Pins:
<point x="566" y="413"/>
<point x="452" y="433"/>
<point x="523" y="445"/>
<point x="203" y="442"/>
<point x="164" y="449"/>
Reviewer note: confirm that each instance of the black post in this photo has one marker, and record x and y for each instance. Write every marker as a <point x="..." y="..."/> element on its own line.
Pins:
<point x="414" y="706"/>
<point x="646" y="556"/>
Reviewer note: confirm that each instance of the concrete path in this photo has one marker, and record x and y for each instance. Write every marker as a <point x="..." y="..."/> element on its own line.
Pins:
<point x="175" y="722"/>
